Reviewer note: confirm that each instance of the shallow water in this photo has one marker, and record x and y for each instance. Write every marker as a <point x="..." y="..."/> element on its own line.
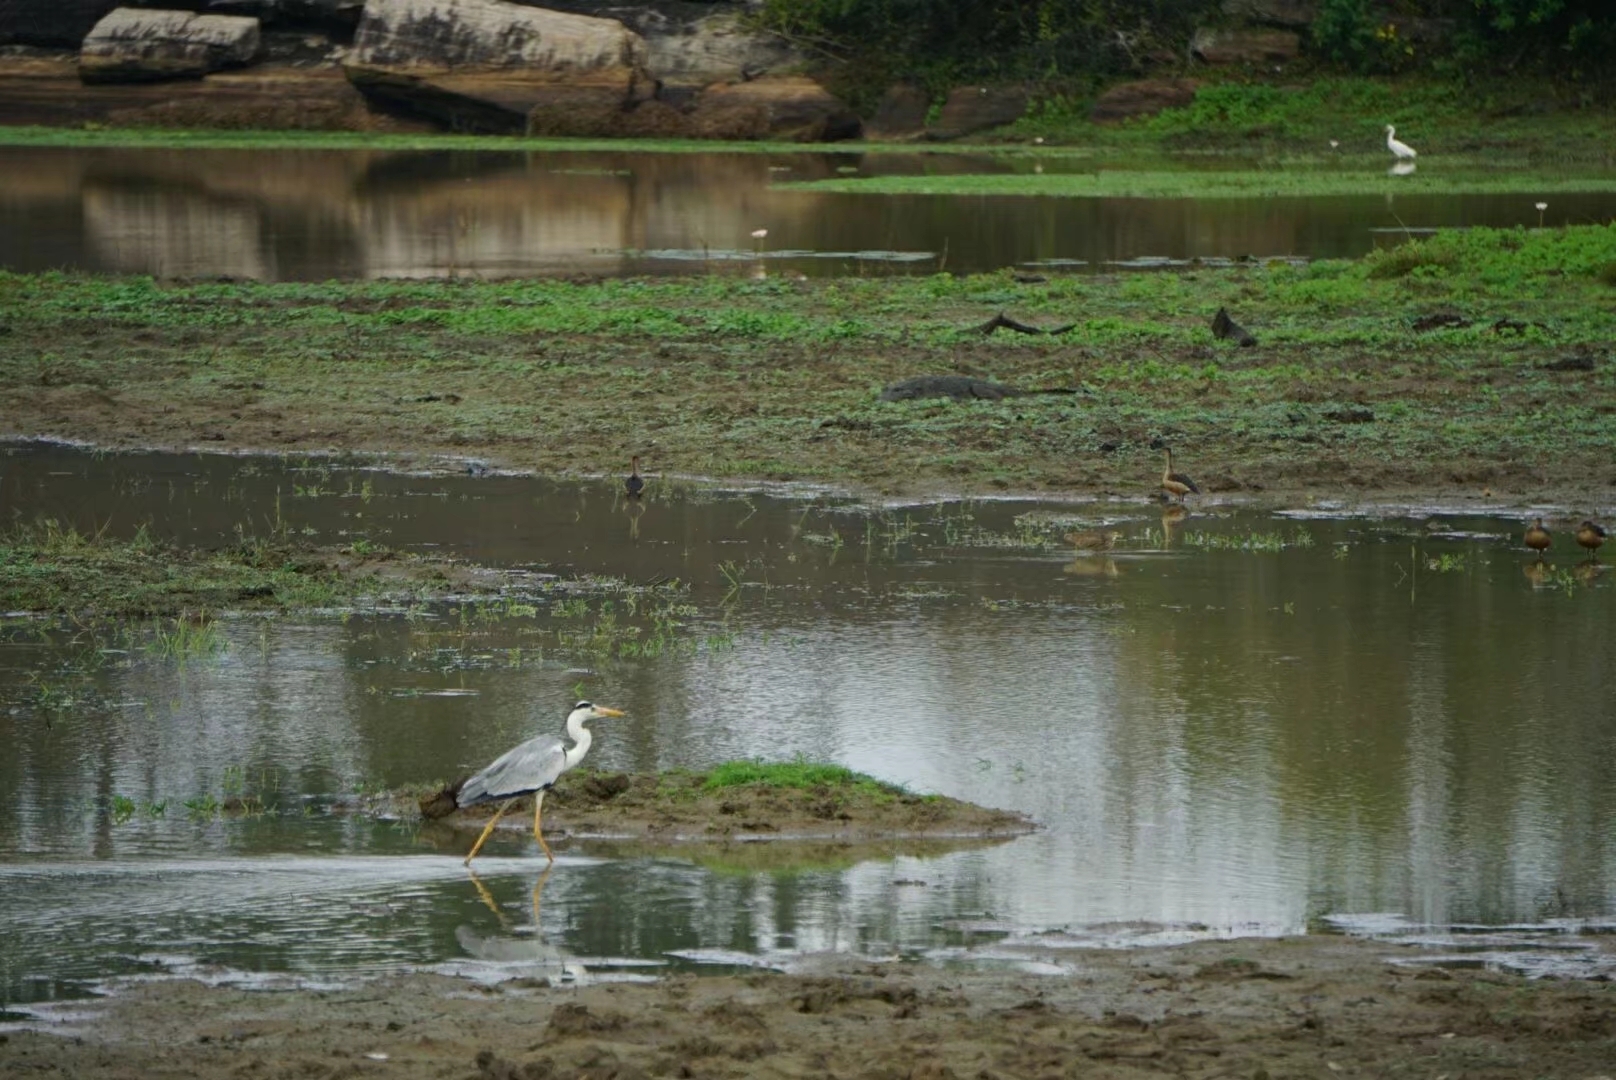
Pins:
<point x="1235" y="723"/>
<point x="314" y="215"/>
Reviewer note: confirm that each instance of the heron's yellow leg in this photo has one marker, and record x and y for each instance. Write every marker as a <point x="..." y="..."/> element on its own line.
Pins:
<point x="478" y="846"/>
<point x="538" y="830"/>
<point x="538" y="890"/>
<point x="484" y="895"/>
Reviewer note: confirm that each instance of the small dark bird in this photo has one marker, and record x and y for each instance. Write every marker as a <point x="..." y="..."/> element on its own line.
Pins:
<point x="632" y="484"/>
<point x="1176" y="483"/>
<point x="1537" y="537"/>
<point x="1591" y="536"/>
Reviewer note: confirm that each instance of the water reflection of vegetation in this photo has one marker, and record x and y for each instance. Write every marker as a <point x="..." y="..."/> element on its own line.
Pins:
<point x="1268" y="542"/>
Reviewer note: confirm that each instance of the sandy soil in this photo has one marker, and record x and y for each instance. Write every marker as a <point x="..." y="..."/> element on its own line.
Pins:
<point x="1318" y="1006"/>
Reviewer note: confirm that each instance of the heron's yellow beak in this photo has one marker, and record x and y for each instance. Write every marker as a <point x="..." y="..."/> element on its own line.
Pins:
<point x="601" y="710"/>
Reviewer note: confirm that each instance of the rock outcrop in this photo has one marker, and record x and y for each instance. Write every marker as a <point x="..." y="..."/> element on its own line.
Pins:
<point x="901" y="112"/>
<point x="976" y="108"/>
<point x="1145" y="97"/>
<point x="137" y="45"/>
<point x="684" y="58"/>
<point x="786" y="107"/>
<point x="486" y="65"/>
<point x="1223" y="47"/>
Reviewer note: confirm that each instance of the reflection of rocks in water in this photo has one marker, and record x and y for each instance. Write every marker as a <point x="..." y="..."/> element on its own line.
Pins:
<point x="173" y="234"/>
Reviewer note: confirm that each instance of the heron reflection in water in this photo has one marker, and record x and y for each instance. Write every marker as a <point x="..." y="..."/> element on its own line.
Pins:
<point x="531" y="768"/>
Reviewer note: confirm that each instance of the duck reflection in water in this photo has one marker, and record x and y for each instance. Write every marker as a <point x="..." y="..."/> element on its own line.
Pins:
<point x="635" y="508"/>
<point x="1173" y="517"/>
<point x="1091" y="566"/>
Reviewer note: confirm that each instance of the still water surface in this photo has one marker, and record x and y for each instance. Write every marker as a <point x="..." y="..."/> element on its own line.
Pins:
<point x="1395" y="719"/>
<point x="313" y="215"/>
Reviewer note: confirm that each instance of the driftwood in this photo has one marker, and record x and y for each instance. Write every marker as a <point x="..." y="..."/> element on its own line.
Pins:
<point x="1001" y="321"/>
<point x="1440" y="320"/>
<point x="958" y="387"/>
<point x="1225" y="327"/>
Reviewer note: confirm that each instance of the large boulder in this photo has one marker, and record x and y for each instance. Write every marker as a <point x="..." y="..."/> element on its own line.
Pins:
<point x="1252" y="47"/>
<point x="971" y="109"/>
<point x="51" y="24"/>
<point x="137" y="45"/>
<point x="1145" y="97"/>
<point x="487" y="65"/>
<point x="686" y="57"/>
<point x="789" y="107"/>
<point x="901" y="113"/>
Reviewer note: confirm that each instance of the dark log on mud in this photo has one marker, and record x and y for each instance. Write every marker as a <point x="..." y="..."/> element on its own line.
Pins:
<point x="958" y="387"/>
<point x="1440" y="320"/>
<point x="1001" y="321"/>
<point x="1225" y="327"/>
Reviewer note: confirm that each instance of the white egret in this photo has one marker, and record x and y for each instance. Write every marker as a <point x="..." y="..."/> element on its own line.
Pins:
<point x="531" y="768"/>
<point x="1397" y="146"/>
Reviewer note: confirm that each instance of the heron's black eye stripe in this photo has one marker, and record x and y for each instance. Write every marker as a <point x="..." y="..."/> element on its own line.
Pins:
<point x="583" y="705"/>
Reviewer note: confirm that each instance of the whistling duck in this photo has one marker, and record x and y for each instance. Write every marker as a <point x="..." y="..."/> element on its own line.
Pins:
<point x="1176" y="483"/>
<point x="632" y="484"/>
<point x="1591" y="536"/>
<point x="1537" y="537"/>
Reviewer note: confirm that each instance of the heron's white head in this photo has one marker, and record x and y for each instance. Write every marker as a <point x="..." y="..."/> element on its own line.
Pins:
<point x="584" y="711"/>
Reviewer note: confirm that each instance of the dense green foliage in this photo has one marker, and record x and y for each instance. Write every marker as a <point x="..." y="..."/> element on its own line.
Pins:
<point x="1070" y="43"/>
<point x="941" y="42"/>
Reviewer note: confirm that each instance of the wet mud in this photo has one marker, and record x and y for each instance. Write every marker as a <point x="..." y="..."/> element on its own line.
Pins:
<point x="1312" y="1006"/>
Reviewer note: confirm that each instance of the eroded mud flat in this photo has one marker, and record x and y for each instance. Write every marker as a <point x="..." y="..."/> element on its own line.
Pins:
<point x="1314" y="1005"/>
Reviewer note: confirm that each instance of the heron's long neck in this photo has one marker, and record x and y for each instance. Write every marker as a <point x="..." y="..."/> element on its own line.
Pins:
<point x="580" y="741"/>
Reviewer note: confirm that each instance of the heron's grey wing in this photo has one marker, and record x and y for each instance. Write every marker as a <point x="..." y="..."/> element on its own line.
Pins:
<point x="524" y="768"/>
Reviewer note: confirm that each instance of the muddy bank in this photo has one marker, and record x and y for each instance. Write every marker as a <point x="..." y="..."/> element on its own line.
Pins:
<point x="1311" y="1006"/>
<point x="679" y="806"/>
<point x="1474" y="368"/>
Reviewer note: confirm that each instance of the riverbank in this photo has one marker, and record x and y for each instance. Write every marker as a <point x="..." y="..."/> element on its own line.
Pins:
<point x="1316" y="1005"/>
<point x="1471" y="367"/>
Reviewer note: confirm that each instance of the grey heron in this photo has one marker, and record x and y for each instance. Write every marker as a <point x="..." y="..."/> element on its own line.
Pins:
<point x="1176" y="483"/>
<point x="632" y="483"/>
<point x="1397" y="146"/>
<point x="531" y="768"/>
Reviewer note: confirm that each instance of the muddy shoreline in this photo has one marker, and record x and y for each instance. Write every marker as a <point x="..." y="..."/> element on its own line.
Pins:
<point x="1317" y="1005"/>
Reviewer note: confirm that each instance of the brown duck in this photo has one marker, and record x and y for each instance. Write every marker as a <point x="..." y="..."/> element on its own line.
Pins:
<point x="1537" y="537"/>
<point x="1176" y="483"/>
<point x="1590" y="536"/>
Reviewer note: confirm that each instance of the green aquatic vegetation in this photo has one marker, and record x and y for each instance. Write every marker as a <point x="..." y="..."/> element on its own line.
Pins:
<point x="1362" y="178"/>
<point x="1268" y="542"/>
<point x="793" y="774"/>
<point x="185" y="638"/>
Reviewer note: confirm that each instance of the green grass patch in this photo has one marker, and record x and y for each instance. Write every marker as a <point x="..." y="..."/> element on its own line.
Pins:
<point x="791" y="774"/>
<point x="1304" y="179"/>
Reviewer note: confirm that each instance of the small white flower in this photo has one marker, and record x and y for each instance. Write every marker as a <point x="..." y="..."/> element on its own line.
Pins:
<point x="1542" y="206"/>
<point x="758" y="234"/>
<point x="1334" y="143"/>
